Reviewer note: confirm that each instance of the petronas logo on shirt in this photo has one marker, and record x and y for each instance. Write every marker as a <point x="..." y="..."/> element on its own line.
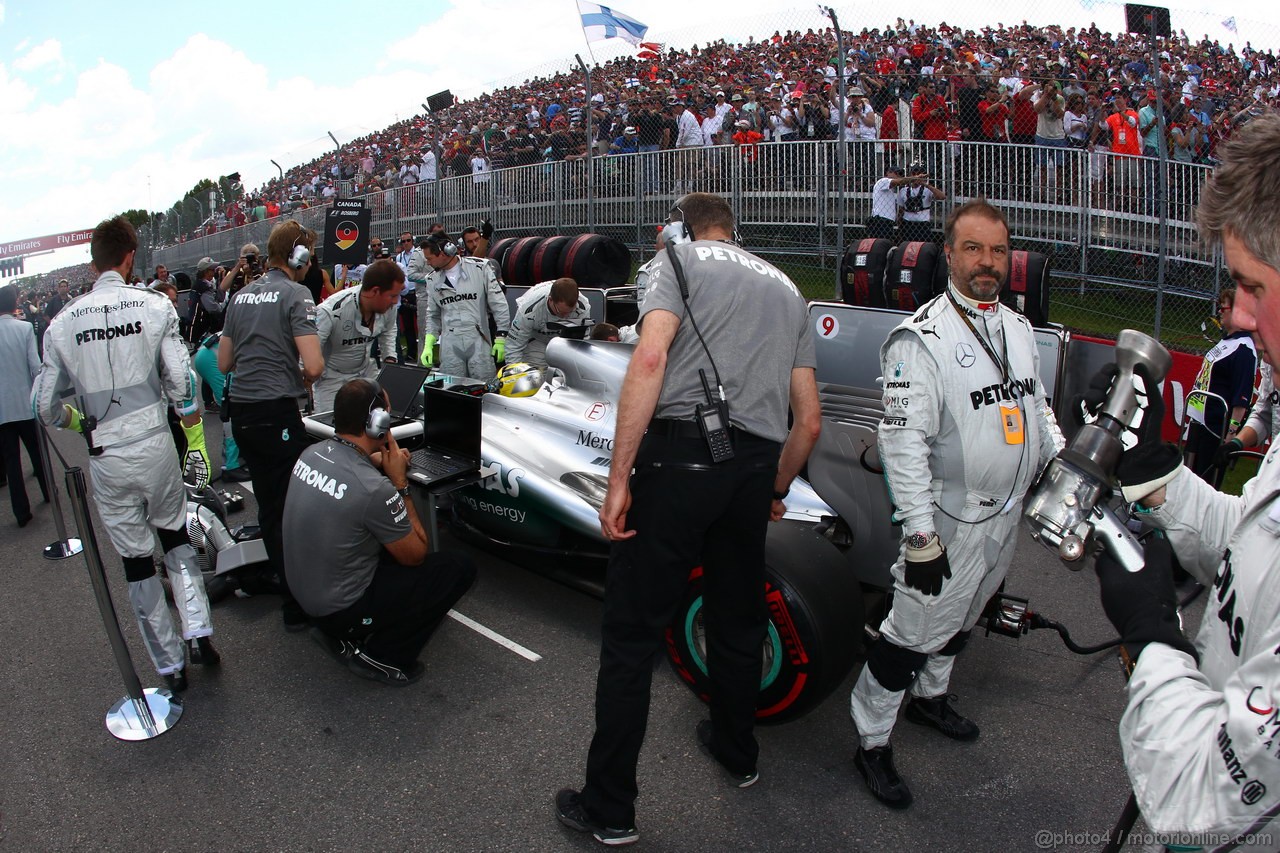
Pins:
<point x="284" y="435"/>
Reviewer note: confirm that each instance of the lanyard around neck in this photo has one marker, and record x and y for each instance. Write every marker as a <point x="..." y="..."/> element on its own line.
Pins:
<point x="1001" y="364"/>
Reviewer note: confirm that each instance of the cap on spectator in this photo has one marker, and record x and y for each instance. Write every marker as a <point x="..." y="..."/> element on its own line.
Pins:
<point x="742" y="124"/>
<point x="205" y="264"/>
<point x="720" y="94"/>
<point x="917" y="169"/>
<point x="857" y="92"/>
<point x="629" y="130"/>
<point x="736" y="97"/>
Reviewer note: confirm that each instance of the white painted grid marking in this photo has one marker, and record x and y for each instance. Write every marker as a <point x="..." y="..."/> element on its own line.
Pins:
<point x="496" y="637"/>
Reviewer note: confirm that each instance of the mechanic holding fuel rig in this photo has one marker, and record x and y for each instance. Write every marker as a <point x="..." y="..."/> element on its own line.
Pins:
<point x="725" y="346"/>
<point x="966" y="429"/>
<point x="119" y="350"/>
<point x="1201" y="732"/>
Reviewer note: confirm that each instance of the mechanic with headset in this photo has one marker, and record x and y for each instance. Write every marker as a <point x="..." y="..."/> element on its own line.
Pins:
<point x="348" y="323"/>
<point x="966" y="428"/>
<point x="365" y="575"/>
<point x="1200" y="731"/>
<point x="119" y="350"/>
<point x="725" y="349"/>
<point x="536" y="317"/>
<point x="270" y="327"/>
<point x="460" y="295"/>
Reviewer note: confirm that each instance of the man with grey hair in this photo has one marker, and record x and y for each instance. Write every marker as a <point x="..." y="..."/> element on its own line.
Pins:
<point x="1201" y="732"/>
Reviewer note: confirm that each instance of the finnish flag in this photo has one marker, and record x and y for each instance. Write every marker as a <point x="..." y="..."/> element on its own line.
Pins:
<point x="601" y="22"/>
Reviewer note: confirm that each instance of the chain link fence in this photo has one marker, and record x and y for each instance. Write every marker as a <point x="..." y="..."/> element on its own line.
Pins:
<point x="1094" y="143"/>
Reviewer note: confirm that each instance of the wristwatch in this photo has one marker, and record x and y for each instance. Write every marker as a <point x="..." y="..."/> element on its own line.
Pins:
<point x="918" y="540"/>
<point x="403" y="491"/>
<point x="780" y="495"/>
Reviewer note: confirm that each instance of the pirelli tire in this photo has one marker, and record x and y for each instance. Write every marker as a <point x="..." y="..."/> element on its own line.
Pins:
<point x="815" y="625"/>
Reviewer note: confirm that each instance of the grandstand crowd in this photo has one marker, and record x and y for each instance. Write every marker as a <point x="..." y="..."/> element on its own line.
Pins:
<point x="1049" y="86"/>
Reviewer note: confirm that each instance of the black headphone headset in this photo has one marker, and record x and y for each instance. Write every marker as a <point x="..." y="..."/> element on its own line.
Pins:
<point x="300" y="256"/>
<point x="378" y="423"/>
<point x="442" y="245"/>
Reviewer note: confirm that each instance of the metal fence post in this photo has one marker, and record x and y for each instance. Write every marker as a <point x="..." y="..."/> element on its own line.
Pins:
<point x="141" y="714"/>
<point x="63" y="547"/>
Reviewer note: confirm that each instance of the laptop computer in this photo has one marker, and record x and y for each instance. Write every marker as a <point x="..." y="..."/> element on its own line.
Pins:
<point x="402" y="383"/>
<point x="450" y="437"/>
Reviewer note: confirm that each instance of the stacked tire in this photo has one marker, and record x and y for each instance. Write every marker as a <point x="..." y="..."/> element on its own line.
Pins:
<point x="592" y="260"/>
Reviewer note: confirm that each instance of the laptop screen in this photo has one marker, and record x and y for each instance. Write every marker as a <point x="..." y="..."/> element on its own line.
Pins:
<point x="401" y="382"/>
<point x="451" y="422"/>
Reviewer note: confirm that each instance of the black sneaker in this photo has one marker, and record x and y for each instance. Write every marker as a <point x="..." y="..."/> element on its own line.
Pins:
<point x="176" y="682"/>
<point x="340" y="650"/>
<point x="570" y="812"/>
<point x="876" y="767"/>
<point x="201" y="651"/>
<point x="937" y="712"/>
<point x="738" y="780"/>
<point x="366" y="667"/>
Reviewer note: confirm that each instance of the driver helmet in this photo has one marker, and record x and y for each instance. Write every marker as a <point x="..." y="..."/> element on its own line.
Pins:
<point x="517" y="380"/>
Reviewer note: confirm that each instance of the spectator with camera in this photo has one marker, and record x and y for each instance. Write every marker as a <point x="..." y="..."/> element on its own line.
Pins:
<point x="246" y="270"/>
<point x="915" y="205"/>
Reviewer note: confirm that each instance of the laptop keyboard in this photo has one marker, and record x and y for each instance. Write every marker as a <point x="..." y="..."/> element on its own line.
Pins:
<point x="425" y="460"/>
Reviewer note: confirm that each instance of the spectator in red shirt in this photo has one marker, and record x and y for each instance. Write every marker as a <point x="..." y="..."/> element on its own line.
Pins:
<point x="994" y="109"/>
<point x="930" y="114"/>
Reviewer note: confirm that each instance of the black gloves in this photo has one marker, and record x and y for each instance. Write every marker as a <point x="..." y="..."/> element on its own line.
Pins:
<point x="1149" y="462"/>
<point x="1142" y="605"/>
<point x="927" y="575"/>
<point x="486" y="229"/>
<point x="1222" y="457"/>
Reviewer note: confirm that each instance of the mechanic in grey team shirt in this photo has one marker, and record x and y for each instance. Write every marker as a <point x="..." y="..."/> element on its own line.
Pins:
<point x="358" y="558"/>
<point x="682" y="508"/>
<point x="270" y="327"/>
<point x="543" y="305"/>
<point x="348" y="322"/>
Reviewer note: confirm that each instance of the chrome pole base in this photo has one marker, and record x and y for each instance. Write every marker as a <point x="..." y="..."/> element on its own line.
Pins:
<point x="62" y="549"/>
<point x="143" y="719"/>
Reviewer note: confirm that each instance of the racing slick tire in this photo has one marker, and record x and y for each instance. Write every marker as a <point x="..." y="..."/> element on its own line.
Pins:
<point x="815" y="625"/>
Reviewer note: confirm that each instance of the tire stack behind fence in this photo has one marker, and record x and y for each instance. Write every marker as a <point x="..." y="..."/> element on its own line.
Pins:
<point x="592" y="260"/>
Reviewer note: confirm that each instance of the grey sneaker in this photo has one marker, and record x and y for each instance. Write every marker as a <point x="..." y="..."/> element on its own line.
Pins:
<point x="571" y="812"/>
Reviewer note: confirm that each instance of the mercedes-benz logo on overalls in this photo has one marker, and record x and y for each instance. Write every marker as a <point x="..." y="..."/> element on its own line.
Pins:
<point x="964" y="355"/>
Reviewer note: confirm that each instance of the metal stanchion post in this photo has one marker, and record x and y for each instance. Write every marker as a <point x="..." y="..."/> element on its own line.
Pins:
<point x="141" y="714"/>
<point x="64" y="547"/>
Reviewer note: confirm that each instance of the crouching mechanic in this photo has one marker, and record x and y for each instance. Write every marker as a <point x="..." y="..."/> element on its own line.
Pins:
<point x="461" y="294"/>
<point x="117" y="348"/>
<point x="1199" y="733"/>
<point x="365" y="577"/>
<point x="544" y="304"/>
<point x="349" y="321"/>
<point x="965" y="430"/>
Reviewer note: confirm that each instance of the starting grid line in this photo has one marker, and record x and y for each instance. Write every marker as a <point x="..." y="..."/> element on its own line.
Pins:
<point x="528" y="655"/>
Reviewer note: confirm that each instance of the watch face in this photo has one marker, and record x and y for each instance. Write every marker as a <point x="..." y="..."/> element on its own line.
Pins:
<point x="917" y="540"/>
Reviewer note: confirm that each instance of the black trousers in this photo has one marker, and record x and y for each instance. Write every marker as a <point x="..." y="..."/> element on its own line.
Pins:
<point x="271" y="437"/>
<point x="713" y="515"/>
<point x="879" y="227"/>
<point x="407" y="316"/>
<point x="10" y="434"/>
<point x="402" y="607"/>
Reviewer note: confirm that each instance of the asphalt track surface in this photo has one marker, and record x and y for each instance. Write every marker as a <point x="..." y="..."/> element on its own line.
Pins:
<point x="282" y="749"/>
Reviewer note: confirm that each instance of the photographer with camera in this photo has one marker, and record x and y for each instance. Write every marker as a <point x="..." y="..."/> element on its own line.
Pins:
<point x="915" y="205"/>
<point x="247" y="269"/>
<point x="1051" y="134"/>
